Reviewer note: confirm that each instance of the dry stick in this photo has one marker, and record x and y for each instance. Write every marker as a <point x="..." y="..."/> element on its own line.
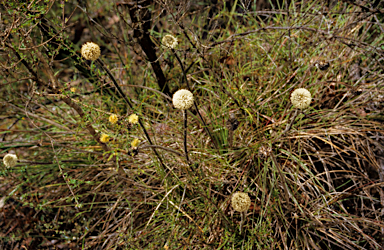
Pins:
<point x="141" y="33"/>
<point x="194" y="103"/>
<point x="131" y="106"/>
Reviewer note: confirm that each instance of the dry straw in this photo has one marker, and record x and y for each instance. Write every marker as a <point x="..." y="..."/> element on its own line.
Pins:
<point x="90" y="51"/>
<point x="301" y="98"/>
<point x="10" y="160"/>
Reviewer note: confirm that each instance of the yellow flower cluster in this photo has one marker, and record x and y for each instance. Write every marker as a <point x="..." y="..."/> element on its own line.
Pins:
<point x="133" y="119"/>
<point x="135" y="143"/>
<point x="113" y="118"/>
<point x="104" y="138"/>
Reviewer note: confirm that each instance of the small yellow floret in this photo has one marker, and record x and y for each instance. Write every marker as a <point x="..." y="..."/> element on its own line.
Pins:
<point x="135" y="143"/>
<point x="133" y="119"/>
<point x="113" y="118"/>
<point x="10" y="160"/>
<point x="73" y="89"/>
<point x="241" y="201"/>
<point x="90" y="51"/>
<point x="104" y="138"/>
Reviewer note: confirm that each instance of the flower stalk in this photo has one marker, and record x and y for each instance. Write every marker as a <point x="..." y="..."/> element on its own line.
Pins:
<point x="185" y="136"/>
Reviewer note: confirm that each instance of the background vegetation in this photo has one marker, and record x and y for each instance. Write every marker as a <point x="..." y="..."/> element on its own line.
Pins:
<point x="315" y="177"/>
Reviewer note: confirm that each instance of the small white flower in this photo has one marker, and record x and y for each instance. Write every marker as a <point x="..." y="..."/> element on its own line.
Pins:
<point x="90" y="51"/>
<point x="169" y="41"/>
<point x="10" y="160"/>
<point x="301" y="98"/>
<point x="182" y="99"/>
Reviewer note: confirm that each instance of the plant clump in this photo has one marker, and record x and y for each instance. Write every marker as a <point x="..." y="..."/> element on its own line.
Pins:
<point x="301" y="98"/>
<point x="241" y="201"/>
<point x="183" y="99"/>
<point x="90" y="51"/>
<point x="10" y="160"/>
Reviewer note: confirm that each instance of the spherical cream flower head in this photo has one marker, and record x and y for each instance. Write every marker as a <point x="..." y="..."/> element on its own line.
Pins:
<point x="135" y="143"/>
<point x="182" y="99"/>
<point x="113" y="118"/>
<point x="90" y="51"/>
<point x="241" y="201"/>
<point x="104" y="138"/>
<point x="133" y="119"/>
<point x="10" y="160"/>
<point x="169" y="41"/>
<point x="301" y="98"/>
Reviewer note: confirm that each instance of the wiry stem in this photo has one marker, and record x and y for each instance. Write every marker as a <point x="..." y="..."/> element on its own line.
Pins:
<point x="242" y="214"/>
<point x="185" y="135"/>
<point x="194" y="103"/>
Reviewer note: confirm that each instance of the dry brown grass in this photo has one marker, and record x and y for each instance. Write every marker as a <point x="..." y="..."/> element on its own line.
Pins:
<point x="315" y="177"/>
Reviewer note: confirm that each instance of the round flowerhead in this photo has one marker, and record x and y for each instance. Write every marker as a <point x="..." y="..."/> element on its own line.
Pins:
<point x="182" y="99"/>
<point x="241" y="201"/>
<point x="113" y="118"/>
<point x="133" y="119"/>
<point x="10" y="160"/>
<point x="90" y="51"/>
<point x="265" y="151"/>
<point x="135" y="143"/>
<point x="104" y="138"/>
<point x="169" y="41"/>
<point x="301" y="98"/>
